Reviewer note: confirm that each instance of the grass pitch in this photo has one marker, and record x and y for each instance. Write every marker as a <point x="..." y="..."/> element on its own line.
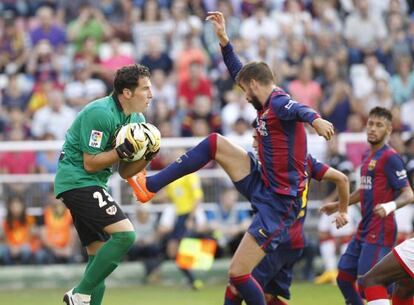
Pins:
<point x="302" y="294"/>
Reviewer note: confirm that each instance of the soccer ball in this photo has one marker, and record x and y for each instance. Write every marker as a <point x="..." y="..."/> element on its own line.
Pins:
<point x="134" y="132"/>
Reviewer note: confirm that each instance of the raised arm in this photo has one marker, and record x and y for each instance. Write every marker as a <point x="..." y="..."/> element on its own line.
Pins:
<point x="230" y="58"/>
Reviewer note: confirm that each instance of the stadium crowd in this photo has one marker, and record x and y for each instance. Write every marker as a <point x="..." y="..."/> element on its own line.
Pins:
<point x="341" y="57"/>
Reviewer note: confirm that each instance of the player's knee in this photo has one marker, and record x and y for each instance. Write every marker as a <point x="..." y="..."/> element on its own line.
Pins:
<point x="367" y="280"/>
<point x="125" y="240"/>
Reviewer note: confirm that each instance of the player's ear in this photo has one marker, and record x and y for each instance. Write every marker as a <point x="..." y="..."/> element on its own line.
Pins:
<point x="127" y="93"/>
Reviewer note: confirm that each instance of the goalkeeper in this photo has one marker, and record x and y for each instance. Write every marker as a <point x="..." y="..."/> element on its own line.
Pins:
<point x="85" y="166"/>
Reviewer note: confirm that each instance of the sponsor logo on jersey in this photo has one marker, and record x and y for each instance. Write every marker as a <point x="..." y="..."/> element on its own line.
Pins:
<point x="96" y="139"/>
<point x="402" y="174"/>
<point x="366" y="182"/>
<point x="372" y="164"/>
<point x="111" y="210"/>
<point x="261" y="128"/>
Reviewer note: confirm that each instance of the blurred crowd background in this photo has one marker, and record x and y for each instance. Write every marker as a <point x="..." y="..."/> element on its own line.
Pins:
<point x="340" y="57"/>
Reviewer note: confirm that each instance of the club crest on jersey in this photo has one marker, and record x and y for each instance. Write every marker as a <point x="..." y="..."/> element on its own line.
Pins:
<point x="111" y="210"/>
<point x="372" y="164"/>
<point x="96" y="139"/>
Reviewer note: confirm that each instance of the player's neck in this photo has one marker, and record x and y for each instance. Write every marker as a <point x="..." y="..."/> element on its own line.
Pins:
<point x="265" y="94"/>
<point x="124" y="105"/>
<point x="375" y="147"/>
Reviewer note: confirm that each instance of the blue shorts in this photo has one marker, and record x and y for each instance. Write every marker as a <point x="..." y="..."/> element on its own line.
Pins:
<point x="360" y="257"/>
<point x="275" y="213"/>
<point x="274" y="272"/>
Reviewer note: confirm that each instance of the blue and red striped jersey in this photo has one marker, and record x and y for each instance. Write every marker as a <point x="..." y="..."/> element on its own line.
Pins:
<point x="296" y="236"/>
<point x="382" y="177"/>
<point x="281" y="136"/>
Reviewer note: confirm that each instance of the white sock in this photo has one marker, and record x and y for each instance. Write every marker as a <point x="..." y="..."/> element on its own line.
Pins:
<point x="379" y="302"/>
<point x="328" y="254"/>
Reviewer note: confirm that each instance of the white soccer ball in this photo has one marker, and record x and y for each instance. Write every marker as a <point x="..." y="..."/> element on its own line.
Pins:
<point x="138" y="137"/>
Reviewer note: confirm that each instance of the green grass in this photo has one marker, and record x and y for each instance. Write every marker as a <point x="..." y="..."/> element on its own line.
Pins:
<point x="302" y="294"/>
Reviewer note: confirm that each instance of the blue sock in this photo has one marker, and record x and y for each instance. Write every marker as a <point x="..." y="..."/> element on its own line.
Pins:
<point x="188" y="163"/>
<point x="346" y="283"/>
<point x="249" y="289"/>
<point x="230" y="298"/>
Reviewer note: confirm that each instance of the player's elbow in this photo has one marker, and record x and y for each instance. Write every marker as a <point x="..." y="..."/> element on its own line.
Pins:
<point x="342" y="179"/>
<point x="89" y="167"/>
<point x="410" y="195"/>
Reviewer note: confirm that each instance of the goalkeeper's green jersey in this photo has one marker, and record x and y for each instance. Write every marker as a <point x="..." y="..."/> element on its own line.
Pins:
<point x="92" y="132"/>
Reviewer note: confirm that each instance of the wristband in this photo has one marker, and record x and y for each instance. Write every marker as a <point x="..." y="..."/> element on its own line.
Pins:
<point x="389" y="207"/>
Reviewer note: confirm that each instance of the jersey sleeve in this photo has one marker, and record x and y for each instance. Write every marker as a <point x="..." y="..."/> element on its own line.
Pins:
<point x="231" y="60"/>
<point x="395" y="172"/>
<point x="96" y="129"/>
<point x="287" y="109"/>
<point x="317" y="168"/>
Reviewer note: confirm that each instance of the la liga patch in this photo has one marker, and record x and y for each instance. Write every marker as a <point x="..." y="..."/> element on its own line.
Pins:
<point x="96" y="139"/>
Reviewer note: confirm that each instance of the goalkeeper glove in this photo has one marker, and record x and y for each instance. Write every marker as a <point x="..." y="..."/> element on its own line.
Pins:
<point x="127" y="143"/>
<point x="154" y="140"/>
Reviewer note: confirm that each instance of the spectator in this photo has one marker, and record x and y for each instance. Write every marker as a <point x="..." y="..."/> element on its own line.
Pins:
<point x="259" y="25"/>
<point x="149" y="26"/>
<point x="398" y="125"/>
<point x="304" y="88"/>
<point x="155" y="58"/>
<point x="163" y="89"/>
<point x="120" y="15"/>
<point x="56" y="113"/>
<point x="116" y="59"/>
<point x="381" y="96"/>
<point x="228" y="221"/>
<point x="407" y="110"/>
<point x="232" y="29"/>
<point x="147" y="245"/>
<point x="294" y="21"/>
<point x="46" y="161"/>
<point x="16" y="120"/>
<point x="90" y="23"/>
<point x="236" y="107"/>
<point x="181" y="27"/>
<point x="363" y="77"/>
<point x="337" y="101"/>
<point x="17" y="162"/>
<point x="47" y="29"/>
<point x="84" y="88"/>
<point x="13" y="46"/>
<point x="291" y="64"/>
<point x="201" y="111"/>
<point x="363" y="21"/>
<point x="19" y="229"/>
<point x="58" y="234"/>
<point x="43" y="63"/>
<point x="13" y="95"/>
<point x="192" y="86"/>
<point x="402" y="83"/>
<point x="241" y="133"/>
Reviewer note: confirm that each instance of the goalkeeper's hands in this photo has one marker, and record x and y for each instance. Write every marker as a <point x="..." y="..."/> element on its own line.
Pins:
<point x="154" y="140"/>
<point x="127" y="141"/>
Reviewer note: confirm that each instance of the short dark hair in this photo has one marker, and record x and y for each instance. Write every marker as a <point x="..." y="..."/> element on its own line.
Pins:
<point x="258" y="71"/>
<point x="381" y="112"/>
<point x="127" y="77"/>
